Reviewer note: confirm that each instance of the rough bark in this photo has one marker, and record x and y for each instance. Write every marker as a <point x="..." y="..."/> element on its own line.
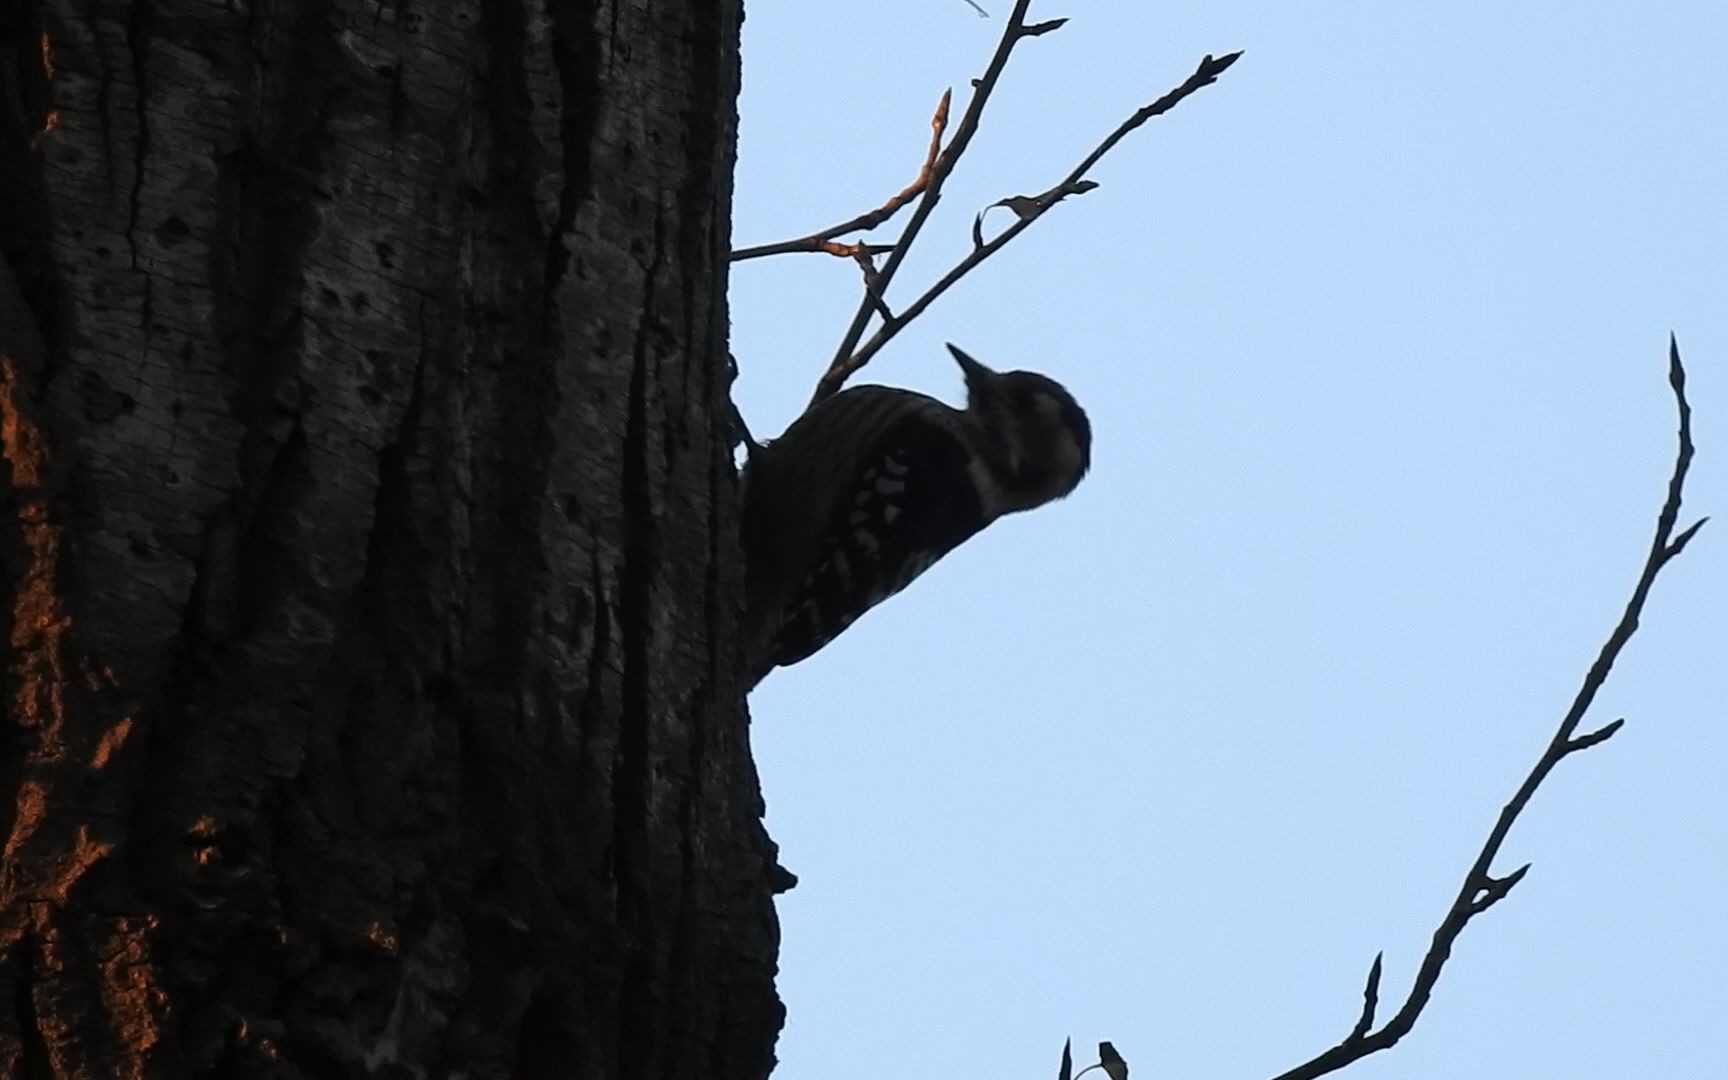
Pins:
<point x="367" y="534"/>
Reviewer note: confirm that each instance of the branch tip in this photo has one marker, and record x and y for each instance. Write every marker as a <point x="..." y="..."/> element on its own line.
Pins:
<point x="1370" y="1001"/>
<point x="1678" y="544"/>
<point x="1601" y="734"/>
<point x="1492" y="890"/>
<point x="1039" y="29"/>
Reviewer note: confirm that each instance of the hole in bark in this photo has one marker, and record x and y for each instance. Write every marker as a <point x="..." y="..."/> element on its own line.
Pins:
<point x="386" y="253"/>
<point x="371" y="396"/>
<point x="101" y="401"/>
<point x="173" y="231"/>
<point x="360" y="301"/>
<point x="140" y="547"/>
<point x="331" y="297"/>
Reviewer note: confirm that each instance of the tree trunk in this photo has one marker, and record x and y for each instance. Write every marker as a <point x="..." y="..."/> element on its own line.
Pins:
<point x="369" y="543"/>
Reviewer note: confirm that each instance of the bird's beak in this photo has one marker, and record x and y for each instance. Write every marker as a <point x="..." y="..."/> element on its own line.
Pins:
<point x="977" y="374"/>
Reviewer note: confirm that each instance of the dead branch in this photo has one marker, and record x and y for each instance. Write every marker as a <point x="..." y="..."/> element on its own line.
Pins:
<point x="1481" y="890"/>
<point x="822" y="240"/>
<point x="1027" y="209"/>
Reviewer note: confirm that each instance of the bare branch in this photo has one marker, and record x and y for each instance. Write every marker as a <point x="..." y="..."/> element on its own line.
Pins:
<point x="1026" y="208"/>
<point x="820" y="241"/>
<point x="841" y="367"/>
<point x="1481" y="890"/>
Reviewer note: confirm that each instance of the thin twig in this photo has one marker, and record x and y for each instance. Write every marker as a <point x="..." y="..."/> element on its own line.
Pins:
<point x="1370" y="1001"/>
<point x="873" y="284"/>
<point x="983" y="86"/>
<point x="1481" y="890"/>
<point x="820" y="241"/>
<point x="1028" y="211"/>
<point x="853" y="251"/>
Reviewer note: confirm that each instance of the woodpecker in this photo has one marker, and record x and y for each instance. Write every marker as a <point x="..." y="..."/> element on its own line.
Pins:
<point x="869" y="488"/>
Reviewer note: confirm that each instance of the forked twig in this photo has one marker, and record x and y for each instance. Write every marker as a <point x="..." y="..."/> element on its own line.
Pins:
<point x="850" y="357"/>
<point x="1027" y="209"/>
<point x="1481" y="890"/>
<point x="982" y="88"/>
<point x="926" y="189"/>
<point x="823" y="239"/>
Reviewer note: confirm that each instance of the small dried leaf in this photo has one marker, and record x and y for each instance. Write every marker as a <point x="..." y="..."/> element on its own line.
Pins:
<point x="1025" y="207"/>
<point x="1114" y="1067"/>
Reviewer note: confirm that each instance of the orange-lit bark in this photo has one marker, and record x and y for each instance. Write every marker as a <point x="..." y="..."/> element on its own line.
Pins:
<point x="366" y="524"/>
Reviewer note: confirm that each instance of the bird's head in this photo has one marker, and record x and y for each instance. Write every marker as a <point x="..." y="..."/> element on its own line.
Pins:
<point x="1036" y="436"/>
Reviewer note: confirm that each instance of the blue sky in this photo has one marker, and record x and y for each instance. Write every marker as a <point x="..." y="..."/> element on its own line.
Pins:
<point x="1372" y="336"/>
